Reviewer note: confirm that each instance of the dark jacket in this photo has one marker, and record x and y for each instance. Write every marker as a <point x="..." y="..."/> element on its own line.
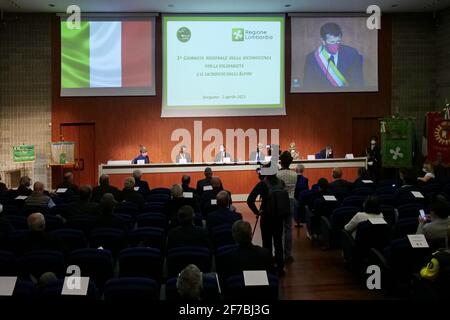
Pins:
<point x="99" y="191"/>
<point x="202" y="183"/>
<point x="143" y="186"/>
<point x="261" y="190"/>
<point x="83" y="208"/>
<point x="141" y="157"/>
<point x="132" y="196"/>
<point x="190" y="235"/>
<point x="350" y="64"/>
<point x="340" y="185"/>
<point x="250" y="258"/>
<point x="73" y="188"/>
<point x="222" y="216"/>
<point x="301" y="185"/>
<point x="41" y="240"/>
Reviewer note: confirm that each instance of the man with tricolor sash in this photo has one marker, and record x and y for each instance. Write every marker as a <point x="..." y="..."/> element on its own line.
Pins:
<point x="333" y="65"/>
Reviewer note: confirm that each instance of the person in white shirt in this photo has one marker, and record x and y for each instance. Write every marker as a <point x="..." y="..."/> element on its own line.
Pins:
<point x="429" y="173"/>
<point x="371" y="210"/>
<point x="290" y="180"/>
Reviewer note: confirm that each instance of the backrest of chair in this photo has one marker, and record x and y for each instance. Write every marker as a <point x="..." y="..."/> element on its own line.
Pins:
<point x="355" y="201"/>
<point x="72" y="238"/>
<point x="389" y="214"/>
<point x="370" y="235"/>
<point x="153" y="219"/>
<point x="178" y="258"/>
<point x="38" y="262"/>
<point x="341" y="216"/>
<point x="7" y="264"/>
<point x="148" y="237"/>
<point x="410" y="210"/>
<point x="141" y="262"/>
<point x="95" y="263"/>
<point x="131" y="289"/>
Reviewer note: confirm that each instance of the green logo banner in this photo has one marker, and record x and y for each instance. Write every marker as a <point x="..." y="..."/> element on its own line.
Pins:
<point x="396" y="142"/>
<point x="24" y="153"/>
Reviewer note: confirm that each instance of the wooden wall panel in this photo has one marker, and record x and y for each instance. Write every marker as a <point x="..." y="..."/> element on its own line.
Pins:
<point x="313" y="120"/>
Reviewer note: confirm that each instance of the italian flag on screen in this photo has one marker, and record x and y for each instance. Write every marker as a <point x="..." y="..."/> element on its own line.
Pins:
<point x="105" y="54"/>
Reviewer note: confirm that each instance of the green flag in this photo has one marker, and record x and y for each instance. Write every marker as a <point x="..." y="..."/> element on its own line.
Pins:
<point x="396" y="142"/>
<point x="23" y="153"/>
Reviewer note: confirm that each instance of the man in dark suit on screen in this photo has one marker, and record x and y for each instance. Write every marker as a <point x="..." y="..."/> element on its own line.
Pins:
<point x="333" y="65"/>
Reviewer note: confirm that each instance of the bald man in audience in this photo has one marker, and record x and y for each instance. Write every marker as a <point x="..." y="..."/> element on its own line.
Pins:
<point x="104" y="187"/>
<point x="223" y="215"/>
<point x="339" y="185"/>
<point x="37" y="238"/>
<point x="38" y="198"/>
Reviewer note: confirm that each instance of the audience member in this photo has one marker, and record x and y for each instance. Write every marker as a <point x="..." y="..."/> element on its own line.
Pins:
<point x="428" y="169"/>
<point x="371" y="210"/>
<point x="68" y="183"/>
<point x="131" y="196"/>
<point x="339" y="185"/>
<point x="174" y="204"/>
<point x="185" y="181"/>
<point x="190" y="283"/>
<point x="302" y="182"/>
<point x="140" y="185"/>
<point x="206" y="205"/>
<point x="289" y="178"/>
<point x="201" y="184"/>
<point x="247" y="256"/>
<point x="24" y="188"/>
<point x="186" y="234"/>
<point x="5" y="226"/>
<point x="363" y="174"/>
<point x="38" y="198"/>
<point x="106" y="218"/>
<point x="223" y="215"/>
<point x="3" y="188"/>
<point x="271" y="223"/>
<point x="104" y="187"/>
<point x="84" y="206"/>
<point x="37" y="238"/>
<point x="439" y="222"/>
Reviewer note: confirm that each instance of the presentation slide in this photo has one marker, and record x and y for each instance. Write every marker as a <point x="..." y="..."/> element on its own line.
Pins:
<point x="223" y="66"/>
<point x="333" y="54"/>
<point x="108" y="58"/>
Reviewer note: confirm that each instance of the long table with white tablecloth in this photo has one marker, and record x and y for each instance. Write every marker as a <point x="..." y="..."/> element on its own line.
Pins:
<point x="239" y="178"/>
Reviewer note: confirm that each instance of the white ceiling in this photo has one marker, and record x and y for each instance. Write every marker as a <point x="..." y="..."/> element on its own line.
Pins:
<point x="223" y="6"/>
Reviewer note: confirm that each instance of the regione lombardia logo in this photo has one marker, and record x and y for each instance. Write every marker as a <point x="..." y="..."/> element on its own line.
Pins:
<point x="237" y="34"/>
<point x="184" y="34"/>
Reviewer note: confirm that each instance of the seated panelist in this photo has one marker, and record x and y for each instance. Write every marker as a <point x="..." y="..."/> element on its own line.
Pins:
<point x="142" y="158"/>
<point x="222" y="155"/>
<point x="258" y="155"/>
<point x="183" y="156"/>
<point x="326" y="153"/>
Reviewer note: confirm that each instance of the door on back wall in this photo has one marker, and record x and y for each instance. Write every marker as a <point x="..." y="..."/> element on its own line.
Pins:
<point x="362" y="130"/>
<point x="83" y="134"/>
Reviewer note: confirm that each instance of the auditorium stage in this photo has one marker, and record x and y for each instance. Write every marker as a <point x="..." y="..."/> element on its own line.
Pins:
<point x="238" y="178"/>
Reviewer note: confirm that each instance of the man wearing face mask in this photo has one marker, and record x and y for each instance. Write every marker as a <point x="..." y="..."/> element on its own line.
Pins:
<point x="333" y="65"/>
<point x="373" y="155"/>
<point x="220" y="157"/>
